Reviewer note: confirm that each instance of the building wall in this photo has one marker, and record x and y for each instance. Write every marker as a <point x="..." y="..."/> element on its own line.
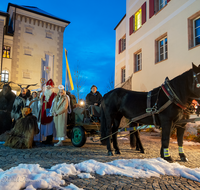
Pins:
<point x="29" y="49"/>
<point x="2" y="24"/>
<point x="172" y="20"/>
<point x="7" y="62"/>
<point x="120" y="59"/>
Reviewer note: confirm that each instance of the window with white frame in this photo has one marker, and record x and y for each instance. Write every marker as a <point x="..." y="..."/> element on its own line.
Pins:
<point x="196" y="31"/>
<point x="138" y="61"/>
<point x="4" y="76"/>
<point x="123" y="74"/>
<point x="162" y="49"/>
<point x="162" y="3"/>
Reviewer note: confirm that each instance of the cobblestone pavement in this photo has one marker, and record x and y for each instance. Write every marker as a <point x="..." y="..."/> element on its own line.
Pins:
<point x="47" y="156"/>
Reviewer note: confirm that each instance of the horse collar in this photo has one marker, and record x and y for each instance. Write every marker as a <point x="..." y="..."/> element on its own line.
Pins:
<point x="171" y="94"/>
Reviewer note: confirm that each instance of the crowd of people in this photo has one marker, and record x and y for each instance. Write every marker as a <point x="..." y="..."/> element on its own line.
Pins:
<point x="51" y="110"/>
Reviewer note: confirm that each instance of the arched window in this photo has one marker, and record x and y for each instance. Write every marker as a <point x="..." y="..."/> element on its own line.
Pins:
<point x="4" y="76"/>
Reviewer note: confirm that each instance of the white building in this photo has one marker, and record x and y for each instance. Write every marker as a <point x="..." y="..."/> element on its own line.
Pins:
<point x="156" y="39"/>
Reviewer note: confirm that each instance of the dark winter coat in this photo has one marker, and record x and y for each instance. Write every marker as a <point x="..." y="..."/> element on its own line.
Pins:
<point x="92" y="98"/>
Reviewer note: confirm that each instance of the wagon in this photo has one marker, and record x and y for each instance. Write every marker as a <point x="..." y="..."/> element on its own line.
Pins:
<point x="78" y="130"/>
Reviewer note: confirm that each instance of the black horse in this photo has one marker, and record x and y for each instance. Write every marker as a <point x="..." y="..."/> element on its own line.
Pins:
<point x="130" y="104"/>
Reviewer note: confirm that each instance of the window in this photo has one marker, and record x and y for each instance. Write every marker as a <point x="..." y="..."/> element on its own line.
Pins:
<point x="29" y="30"/>
<point x="4" y="76"/>
<point x="138" y="19"/>
<point x="123" y="71"/>
<point x="162" y="3"/>
<point x="6" y="51"/>
<point x="156" y="5"/>
<point x="161" y="49"/>
<point x="122" y="44"/>
<point x="196" y="31"/>
<point x="49" y="35"/>
<point x="138" y="61"/>
<point x="26" y="75"/>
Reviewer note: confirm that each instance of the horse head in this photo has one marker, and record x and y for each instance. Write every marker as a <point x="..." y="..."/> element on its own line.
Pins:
<point x="195" y="87"/>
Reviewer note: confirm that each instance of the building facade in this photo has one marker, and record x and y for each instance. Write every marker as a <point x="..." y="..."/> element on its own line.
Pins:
<point x="32" y="46"/>
<point x="156" y="39"/>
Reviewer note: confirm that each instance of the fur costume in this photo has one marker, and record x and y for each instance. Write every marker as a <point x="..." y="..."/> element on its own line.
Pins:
<point x="19" y="103"/>
<point x="7" y="98"/>
<point x="21" y="136"/>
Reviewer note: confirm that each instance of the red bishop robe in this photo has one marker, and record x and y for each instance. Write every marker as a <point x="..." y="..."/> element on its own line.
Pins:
<point x="47" y="105"/>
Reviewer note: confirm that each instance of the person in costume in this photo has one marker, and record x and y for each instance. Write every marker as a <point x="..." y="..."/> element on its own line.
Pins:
<point x="21" y="136"/>
<point x="20" y="102"/>
<point x="59" y="110"/>
<point x="47" y="124"/>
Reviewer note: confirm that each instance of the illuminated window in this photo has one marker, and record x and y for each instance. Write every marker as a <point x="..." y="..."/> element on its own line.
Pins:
<point x="138" y="61"/>
<point x="138" y="19"/>
<point x="6" y="51"/>
<point x="162" y="3"/>
<point x="4" y="76"/>
<point x="196" y="31"/>
<point x="123" y="71"/>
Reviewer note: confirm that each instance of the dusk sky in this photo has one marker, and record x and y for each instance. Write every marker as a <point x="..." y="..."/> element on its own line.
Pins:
<point x="89" y="38"/>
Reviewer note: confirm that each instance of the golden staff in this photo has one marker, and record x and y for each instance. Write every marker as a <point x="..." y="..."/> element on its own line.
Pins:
<point x="42" y="81"/>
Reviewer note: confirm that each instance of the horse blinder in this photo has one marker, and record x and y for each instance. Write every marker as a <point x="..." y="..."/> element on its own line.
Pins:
<point x="195" y="80"/>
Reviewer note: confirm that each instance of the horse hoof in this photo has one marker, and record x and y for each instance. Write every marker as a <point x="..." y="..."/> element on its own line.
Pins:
<point x="117" y="152"/>
<point x="110" y="153"/>
<point x="184" y="159"/>
<point x="169" y="159"/>
<point x="142" y="151"/>
<point x="137" y="148"/>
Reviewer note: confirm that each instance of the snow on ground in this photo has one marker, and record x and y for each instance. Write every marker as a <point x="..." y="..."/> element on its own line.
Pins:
<point x="189" y="143"/>
<point x="32" y="176"/>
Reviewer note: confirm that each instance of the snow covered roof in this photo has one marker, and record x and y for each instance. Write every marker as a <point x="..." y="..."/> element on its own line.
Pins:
<point x="37" y="11"/>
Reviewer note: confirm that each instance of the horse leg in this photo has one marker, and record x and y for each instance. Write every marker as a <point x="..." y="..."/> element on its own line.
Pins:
<point x="180" y="133"/>
<point x="166" y="131"/>
<point x="109" y="132"/>
<point x="114" y="136"/>
<point x="139" y="145"/>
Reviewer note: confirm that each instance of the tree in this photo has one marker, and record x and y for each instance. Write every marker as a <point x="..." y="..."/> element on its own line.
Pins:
<point x="79" y="81"/>
<point x="110" y="84"/>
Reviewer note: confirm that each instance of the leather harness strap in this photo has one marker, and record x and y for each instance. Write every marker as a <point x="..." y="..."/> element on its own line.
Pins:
<point x="171" y="94"/>
<point x="149" y="109"/>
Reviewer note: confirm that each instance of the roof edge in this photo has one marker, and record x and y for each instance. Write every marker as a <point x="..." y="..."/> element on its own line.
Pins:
<point x="120" y="22"/>
<point x="23" y="8"/>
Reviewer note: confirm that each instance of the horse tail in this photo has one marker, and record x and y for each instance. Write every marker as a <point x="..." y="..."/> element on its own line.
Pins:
<point x="132" y="140"/>
<point x="103" y="124"/>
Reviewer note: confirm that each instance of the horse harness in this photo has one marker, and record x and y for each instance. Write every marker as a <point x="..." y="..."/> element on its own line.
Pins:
<point x="173" y="98"/>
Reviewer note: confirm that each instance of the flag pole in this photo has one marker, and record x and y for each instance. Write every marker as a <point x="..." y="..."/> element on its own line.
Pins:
<point x="66" y="89"/>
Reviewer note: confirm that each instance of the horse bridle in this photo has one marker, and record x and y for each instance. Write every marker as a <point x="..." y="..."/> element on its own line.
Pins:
<point x="195" y="80"/>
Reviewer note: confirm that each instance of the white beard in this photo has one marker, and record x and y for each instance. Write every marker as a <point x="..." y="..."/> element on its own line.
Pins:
<point x="47" y="94"/>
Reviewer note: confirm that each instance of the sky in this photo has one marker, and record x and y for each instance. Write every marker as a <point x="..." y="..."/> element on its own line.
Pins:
<point x="89" y="38"/>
